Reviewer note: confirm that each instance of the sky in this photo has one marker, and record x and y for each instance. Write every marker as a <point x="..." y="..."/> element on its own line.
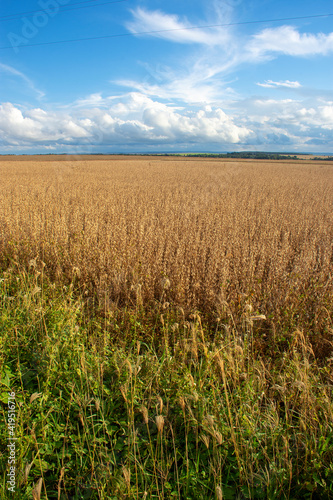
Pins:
<point x="137" y="76"/>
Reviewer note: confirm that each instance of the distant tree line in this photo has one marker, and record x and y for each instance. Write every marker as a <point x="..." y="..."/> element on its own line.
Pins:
<point x="253" y="155"/>
<point x="243" y="155"/>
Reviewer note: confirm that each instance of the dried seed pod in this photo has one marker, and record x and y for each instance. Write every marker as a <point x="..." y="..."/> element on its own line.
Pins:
<point x="219" y="493"/>
<point x="159" y="423"/>
<point x="160" y="403"/>
<point x="182" y="403"/>
<point x="165" y="282"/>
<point x="144" y="412"/>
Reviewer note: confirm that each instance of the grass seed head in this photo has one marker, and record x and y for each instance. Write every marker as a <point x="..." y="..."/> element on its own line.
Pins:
<point x="219" y="494"/>
<point x="127" y="476"/>
<point x="159" y="423"/>
<point x="144" y="412"/>
<point x="37" y="490"/>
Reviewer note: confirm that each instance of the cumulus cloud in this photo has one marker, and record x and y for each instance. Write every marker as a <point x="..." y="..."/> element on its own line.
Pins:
<point x="287" y="40"/>
<point x="37" y="126"/>
<point x="132" y="119"/>
<point x="206" y="125"/>
<point x="273" y="85"/>
<point x="292" y="113"/>
<point x="289" y="123"/>
<point x="135" y="120"/>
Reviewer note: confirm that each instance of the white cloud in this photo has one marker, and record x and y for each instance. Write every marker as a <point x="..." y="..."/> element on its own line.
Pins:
<point x="135" y="120"/>
<point x="273" y="85"/>
<point x="287" y="123"/>
<point x="200" y="77"/>
<point x="287" y="40"/>
<point x="169" y="27"/>
<point x="14" y="124"/>
<point x="199" y="83"/>
<point x="37" y="126"/>
<point x="132" y="119"/>
<point x="206" y="125"/>
<point x="9" y="70"/>
<point x="93" y="100"/>
<point x="261" y="46"/>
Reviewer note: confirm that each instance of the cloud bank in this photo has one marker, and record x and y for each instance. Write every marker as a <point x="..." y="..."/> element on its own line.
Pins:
<point x="136" y="119"/>
<point x="131" y="120"/>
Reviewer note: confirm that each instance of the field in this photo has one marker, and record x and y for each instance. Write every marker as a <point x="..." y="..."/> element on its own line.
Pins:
<point x="166" y="326"/>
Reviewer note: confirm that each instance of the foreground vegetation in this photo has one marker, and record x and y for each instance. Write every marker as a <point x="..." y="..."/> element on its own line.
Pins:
<point x="167" y="329"/>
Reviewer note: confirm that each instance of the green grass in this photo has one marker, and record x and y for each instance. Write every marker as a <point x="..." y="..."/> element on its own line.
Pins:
<point x="147" y="403"/>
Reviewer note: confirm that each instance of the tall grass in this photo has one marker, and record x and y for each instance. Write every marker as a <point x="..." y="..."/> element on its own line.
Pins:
<point x="167" y="328"/>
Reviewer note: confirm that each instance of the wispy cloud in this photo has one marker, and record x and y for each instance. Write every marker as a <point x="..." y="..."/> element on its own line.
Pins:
<point x="9" y="70"/>
<point x="202" y="75"/>
<point x="273" y="85"/>
<point x="287" y="40"/>
<point x="95" y="100"/>
<point x="170" y="27"/>
<point x="283" y="39"/>
<point x="198" y="81"/>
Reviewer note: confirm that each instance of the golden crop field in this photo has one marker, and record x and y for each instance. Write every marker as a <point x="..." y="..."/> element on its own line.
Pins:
<point x="208" y="235"/>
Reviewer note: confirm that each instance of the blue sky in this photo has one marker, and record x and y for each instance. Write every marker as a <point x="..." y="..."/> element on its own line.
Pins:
<point x="239" y="85"/>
